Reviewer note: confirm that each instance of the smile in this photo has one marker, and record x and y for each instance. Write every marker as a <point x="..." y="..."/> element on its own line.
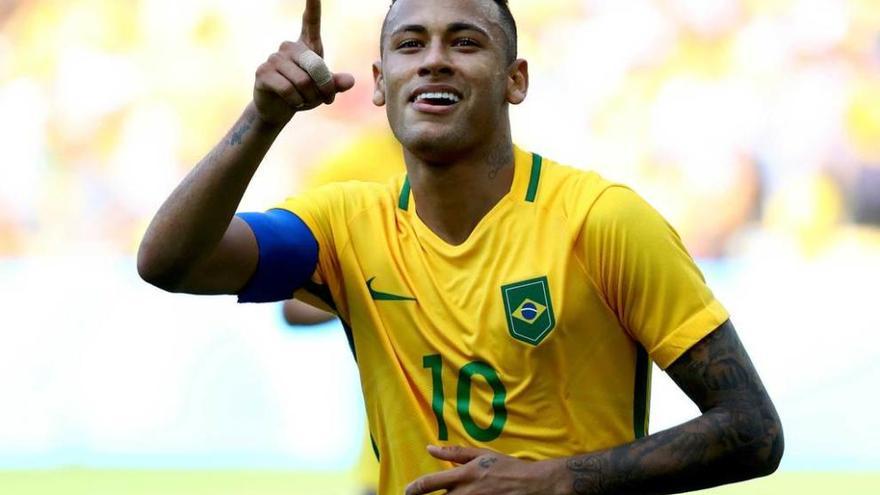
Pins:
<point x="435" y="99"/>
<point x="443" y="99"/>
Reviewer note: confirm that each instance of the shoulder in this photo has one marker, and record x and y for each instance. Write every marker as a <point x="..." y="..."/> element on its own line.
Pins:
<point x="574" y="191"/>
<point x="590" y="201"/>
<point x="343" y="201"/>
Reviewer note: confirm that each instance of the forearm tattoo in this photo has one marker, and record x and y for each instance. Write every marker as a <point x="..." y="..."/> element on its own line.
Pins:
<point x="737" y="437"/>
<point x="233" y="138"/>
<point x="236" y="135"/>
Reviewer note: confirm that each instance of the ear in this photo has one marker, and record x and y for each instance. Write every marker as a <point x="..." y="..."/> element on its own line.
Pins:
<point x="378" y="84"/>
<point x="517" y="81"/>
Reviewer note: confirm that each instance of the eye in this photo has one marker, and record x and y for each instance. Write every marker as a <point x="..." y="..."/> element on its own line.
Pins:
<point x="465" y="42"/>
<point x="410" y="43"/>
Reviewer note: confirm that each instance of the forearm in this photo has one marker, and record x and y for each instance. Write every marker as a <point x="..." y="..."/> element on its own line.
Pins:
<point x="193" y="219"/>
<point x="738" y="436"/>
<point x="723" y="445"/>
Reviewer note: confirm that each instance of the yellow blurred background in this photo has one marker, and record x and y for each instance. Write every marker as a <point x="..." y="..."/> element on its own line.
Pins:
<point x="753" y="126"/>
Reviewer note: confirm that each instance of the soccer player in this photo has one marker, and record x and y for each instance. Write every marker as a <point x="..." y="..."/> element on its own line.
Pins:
<point x="498" y="304"/>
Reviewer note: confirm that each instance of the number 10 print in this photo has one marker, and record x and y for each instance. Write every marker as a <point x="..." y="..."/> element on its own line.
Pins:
<point x="463" y="398"/>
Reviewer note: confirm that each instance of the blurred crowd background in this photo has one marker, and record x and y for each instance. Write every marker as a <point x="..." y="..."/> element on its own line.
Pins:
<point x="731" y="115"/>
<point x="752" y="125"/>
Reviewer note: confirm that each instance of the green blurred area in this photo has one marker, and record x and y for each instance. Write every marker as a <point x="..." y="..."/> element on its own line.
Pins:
<point x="125" y="482"/>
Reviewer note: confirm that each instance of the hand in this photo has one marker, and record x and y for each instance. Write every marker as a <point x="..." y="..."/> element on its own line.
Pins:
<point x="293" y="79"/>
<point x="484" y="472"/>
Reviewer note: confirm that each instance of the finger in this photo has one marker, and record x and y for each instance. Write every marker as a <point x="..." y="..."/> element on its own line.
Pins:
<point x="301" y="80"/>
<point x="443" y="480"/>
<point x="311" y="23"/>
<point x="276" y="83"/>
<point x="314" y="65"/>
<point x="456" y="453"/>
<point x="343" y="81"/>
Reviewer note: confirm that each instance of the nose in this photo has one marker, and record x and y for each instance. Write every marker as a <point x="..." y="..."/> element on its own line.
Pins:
<point x="436" y="61"/>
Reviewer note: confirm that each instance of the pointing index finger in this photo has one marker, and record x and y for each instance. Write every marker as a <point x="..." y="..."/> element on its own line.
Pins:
<point x="311" y="23"/>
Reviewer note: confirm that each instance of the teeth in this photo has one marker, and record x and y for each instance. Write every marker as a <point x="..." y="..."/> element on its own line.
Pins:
<point x="438" y="96"/>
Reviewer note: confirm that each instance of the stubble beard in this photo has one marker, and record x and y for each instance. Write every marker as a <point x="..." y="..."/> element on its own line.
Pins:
<point x="433" y="146"/>
<point x="454" y="140"/>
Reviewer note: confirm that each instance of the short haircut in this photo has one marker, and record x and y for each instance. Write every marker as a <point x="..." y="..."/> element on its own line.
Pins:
<point x="508" y="25"/>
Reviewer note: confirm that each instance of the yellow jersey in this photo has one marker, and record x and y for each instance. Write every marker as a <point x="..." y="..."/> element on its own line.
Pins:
<point x="532" y="338"/>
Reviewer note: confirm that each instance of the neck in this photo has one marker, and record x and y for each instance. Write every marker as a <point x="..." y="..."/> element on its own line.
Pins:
<point x="454" y="194"/>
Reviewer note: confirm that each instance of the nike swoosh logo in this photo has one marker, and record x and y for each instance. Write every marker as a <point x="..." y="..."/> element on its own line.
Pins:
<point x="384" y="296"/>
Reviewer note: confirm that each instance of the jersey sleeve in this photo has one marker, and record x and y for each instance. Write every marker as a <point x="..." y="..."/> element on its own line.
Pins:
<point x="323" y="210"/>
<point x="648" y="279"/>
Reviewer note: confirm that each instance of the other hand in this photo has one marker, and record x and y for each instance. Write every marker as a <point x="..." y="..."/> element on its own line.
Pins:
<point x="484" y="472"/>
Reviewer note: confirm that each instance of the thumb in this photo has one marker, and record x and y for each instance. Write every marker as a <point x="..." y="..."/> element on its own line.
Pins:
<point x="343" y="81"/>
<point x="455" y="453"/>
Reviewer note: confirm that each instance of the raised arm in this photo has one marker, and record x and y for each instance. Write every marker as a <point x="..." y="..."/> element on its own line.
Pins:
<point x="737" y="437"/>
<point x="194" y="243"/>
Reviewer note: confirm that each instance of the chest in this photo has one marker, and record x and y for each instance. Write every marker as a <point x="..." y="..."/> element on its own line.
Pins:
<point x="514" y="296"/>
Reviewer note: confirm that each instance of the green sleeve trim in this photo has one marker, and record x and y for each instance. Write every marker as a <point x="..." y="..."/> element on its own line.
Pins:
<point x="349" y="337"/>
<point x="322" y="292"/>
<point x="535" y="178"/>
<point x="375" y="447"/>
<point x="641" y="393"/>
<point x="403" y="202"/>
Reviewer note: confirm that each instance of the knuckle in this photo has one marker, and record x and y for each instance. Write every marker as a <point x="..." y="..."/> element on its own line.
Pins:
<point x="286" y="46"/>
<point x="302" y="80"/>
<point x="275" y="59"/>
<point x="261" y="70"/>
<point x="287" y="91"/>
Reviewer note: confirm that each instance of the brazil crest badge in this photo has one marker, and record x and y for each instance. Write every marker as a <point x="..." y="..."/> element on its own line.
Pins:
<point x="529" y="310"/>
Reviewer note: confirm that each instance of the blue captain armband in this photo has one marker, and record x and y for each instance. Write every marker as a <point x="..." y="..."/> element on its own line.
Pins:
<point x="288" y="256"/>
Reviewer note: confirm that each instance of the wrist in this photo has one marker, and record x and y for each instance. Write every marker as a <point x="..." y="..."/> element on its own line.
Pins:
<point x="262" y="124"/>
<point x="558" y="480"/>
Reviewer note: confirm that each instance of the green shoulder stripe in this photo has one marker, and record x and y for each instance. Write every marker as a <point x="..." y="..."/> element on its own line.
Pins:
<point x="535" y="178"/>
<point x="403" y="202"/>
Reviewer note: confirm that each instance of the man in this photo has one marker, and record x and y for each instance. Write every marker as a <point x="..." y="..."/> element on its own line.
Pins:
<point x="496" y="302"/>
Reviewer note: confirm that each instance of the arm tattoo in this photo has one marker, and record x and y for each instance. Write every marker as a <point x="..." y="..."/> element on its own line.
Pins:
<point x="233" y="138"/>
<point x="236" y="135"/>
<point x="486" y="462"/>
<point x="738" y="436"/>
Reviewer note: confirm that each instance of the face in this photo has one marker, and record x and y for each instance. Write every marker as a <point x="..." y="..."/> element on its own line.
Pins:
<point x="444" y="76"/>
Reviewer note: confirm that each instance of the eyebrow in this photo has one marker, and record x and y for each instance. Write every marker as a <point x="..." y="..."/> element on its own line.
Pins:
<point x="466" y="26"/>
<point x="454" y="27"/>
